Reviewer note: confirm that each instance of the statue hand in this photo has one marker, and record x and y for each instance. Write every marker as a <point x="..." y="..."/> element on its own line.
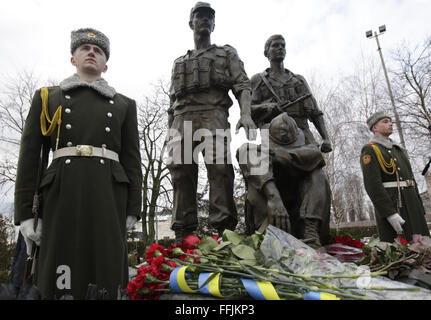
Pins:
<point x="271" y="107"/>
<point x="130" y="222"/>
<point x="277" y="215"/>
<point x="249" y="127"/>
<point x="326" y="146"/>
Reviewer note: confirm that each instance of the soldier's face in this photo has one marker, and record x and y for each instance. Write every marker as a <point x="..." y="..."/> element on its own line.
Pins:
<point x="277" y="50"/>
<point x="203" y="22"/>
<point x="383" y="127"/>
<point x="89" y="58"/>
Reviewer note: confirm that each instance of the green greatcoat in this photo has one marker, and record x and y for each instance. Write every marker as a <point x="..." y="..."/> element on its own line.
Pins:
<point x="85" y="199"/>
<point x="385" y="199"/>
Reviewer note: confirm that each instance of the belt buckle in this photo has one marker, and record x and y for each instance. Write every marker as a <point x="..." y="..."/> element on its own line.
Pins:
<point x="409" y="183"/>
<point x="84" y="150"/>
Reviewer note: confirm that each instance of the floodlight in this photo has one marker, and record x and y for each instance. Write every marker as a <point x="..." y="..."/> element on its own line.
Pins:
<point x="382" y="28"/>
<point x="369" y="34"/>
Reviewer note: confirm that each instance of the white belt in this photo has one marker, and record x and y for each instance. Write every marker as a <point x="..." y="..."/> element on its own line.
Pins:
<point x="85" y="151"/>
<point x="394" y="184"/>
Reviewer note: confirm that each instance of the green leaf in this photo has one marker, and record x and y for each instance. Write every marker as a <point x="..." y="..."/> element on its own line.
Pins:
<point x="222" y="245"/>
<point x="257" y="239"/>
<point x="232" y="237"/>
<point x="207" y="244"/>
<point x="244" y="252"/>
<point x="373" y="242"/>
<point x="253" y="241"/>
<point x="254" y="271"/>
<point x="248" y="262"/>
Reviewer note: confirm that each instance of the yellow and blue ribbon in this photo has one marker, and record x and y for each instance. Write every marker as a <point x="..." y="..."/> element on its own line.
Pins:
<point x="177" y="280"/>
<point x="313" y="295"/>
<point x="212" y="287"/>
<point x="260" y="290"/>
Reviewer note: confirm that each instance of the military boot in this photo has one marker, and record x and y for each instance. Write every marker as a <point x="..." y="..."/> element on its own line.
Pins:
<point x="311" y="233"/>
<point x="181" y="234"/>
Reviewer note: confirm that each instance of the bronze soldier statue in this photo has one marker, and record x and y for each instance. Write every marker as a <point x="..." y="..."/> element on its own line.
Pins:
<point x="201" y="81"/>
<point x="91" y="191"/>
<point x="278" y="90"/>
<point x="390" y="183"/>
<point x="299" y="189"/>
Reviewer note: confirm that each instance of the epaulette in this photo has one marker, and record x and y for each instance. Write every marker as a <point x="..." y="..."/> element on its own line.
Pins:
<point x="228" y="47"/>
<point x="50" y="87"/>
<point x="181" y="58"/>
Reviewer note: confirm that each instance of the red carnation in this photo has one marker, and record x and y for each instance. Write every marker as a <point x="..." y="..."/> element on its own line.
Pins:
<point x="132" y="290"/>
<point x="402" y="240"/>
<point x="190" y="242"/>
<point x="156" y="265"/>
<point x="215" y="237"/>
<point x="170" y="250"/>
<point x="155" y="250"/>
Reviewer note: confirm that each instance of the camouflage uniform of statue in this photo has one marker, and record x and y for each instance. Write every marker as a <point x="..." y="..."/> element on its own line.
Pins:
<point x="307" y="201"/>
<point x="200" y="83"/>
<point x="296" y="177"/>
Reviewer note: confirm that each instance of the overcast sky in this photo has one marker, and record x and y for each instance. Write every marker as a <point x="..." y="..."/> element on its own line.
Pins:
<point x="146" y="36"/>
<point x="324" y="37"/>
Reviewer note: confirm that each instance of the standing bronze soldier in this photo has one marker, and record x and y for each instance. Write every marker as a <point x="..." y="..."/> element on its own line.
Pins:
<point x="277" y="91"/>
<point x="390" y="183"/>
<point x="201" y="81"/>
<point x="91" y="191"/>
<point x="277" y="87"/>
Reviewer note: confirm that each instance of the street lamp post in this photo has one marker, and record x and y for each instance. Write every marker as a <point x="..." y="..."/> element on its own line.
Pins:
<point x="369" y="34"/>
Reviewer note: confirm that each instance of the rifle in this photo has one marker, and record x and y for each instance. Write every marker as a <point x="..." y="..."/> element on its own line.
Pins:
<point x="37" y="203"/>
<point x="424" y="172"/>
<point x="285" y="105"/>
<point x="261" y="117"/>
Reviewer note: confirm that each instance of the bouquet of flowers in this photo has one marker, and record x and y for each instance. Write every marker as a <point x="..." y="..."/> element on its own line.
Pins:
<point x="398" y="258"/>
<point x="346" y="249"/>
<point x="273" y="266"/>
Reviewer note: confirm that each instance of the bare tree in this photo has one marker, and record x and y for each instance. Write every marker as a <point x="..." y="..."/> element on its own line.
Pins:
<point x="412" y="83"/>
<point x="7" y="238"/>
<point x="346" y="104"/>
<point x="157" y="187"/>
<point x="15" y="100"/>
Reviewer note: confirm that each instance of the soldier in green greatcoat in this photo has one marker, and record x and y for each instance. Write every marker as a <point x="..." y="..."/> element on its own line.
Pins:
<point x="390" y="183"/>
<point x="91" y="191"/>
<point x="200" y="102"/>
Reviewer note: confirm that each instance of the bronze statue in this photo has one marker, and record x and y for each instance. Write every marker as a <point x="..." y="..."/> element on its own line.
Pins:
<point x="294" y="194"/>
<point x="278" y="90"/>
<point x="201" y="80"/>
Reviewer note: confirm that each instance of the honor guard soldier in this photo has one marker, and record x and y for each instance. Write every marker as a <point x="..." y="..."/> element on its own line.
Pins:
<point x="91" y="191"/>
<point x="200" y="85"/>
<point x="390" y="184"/>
